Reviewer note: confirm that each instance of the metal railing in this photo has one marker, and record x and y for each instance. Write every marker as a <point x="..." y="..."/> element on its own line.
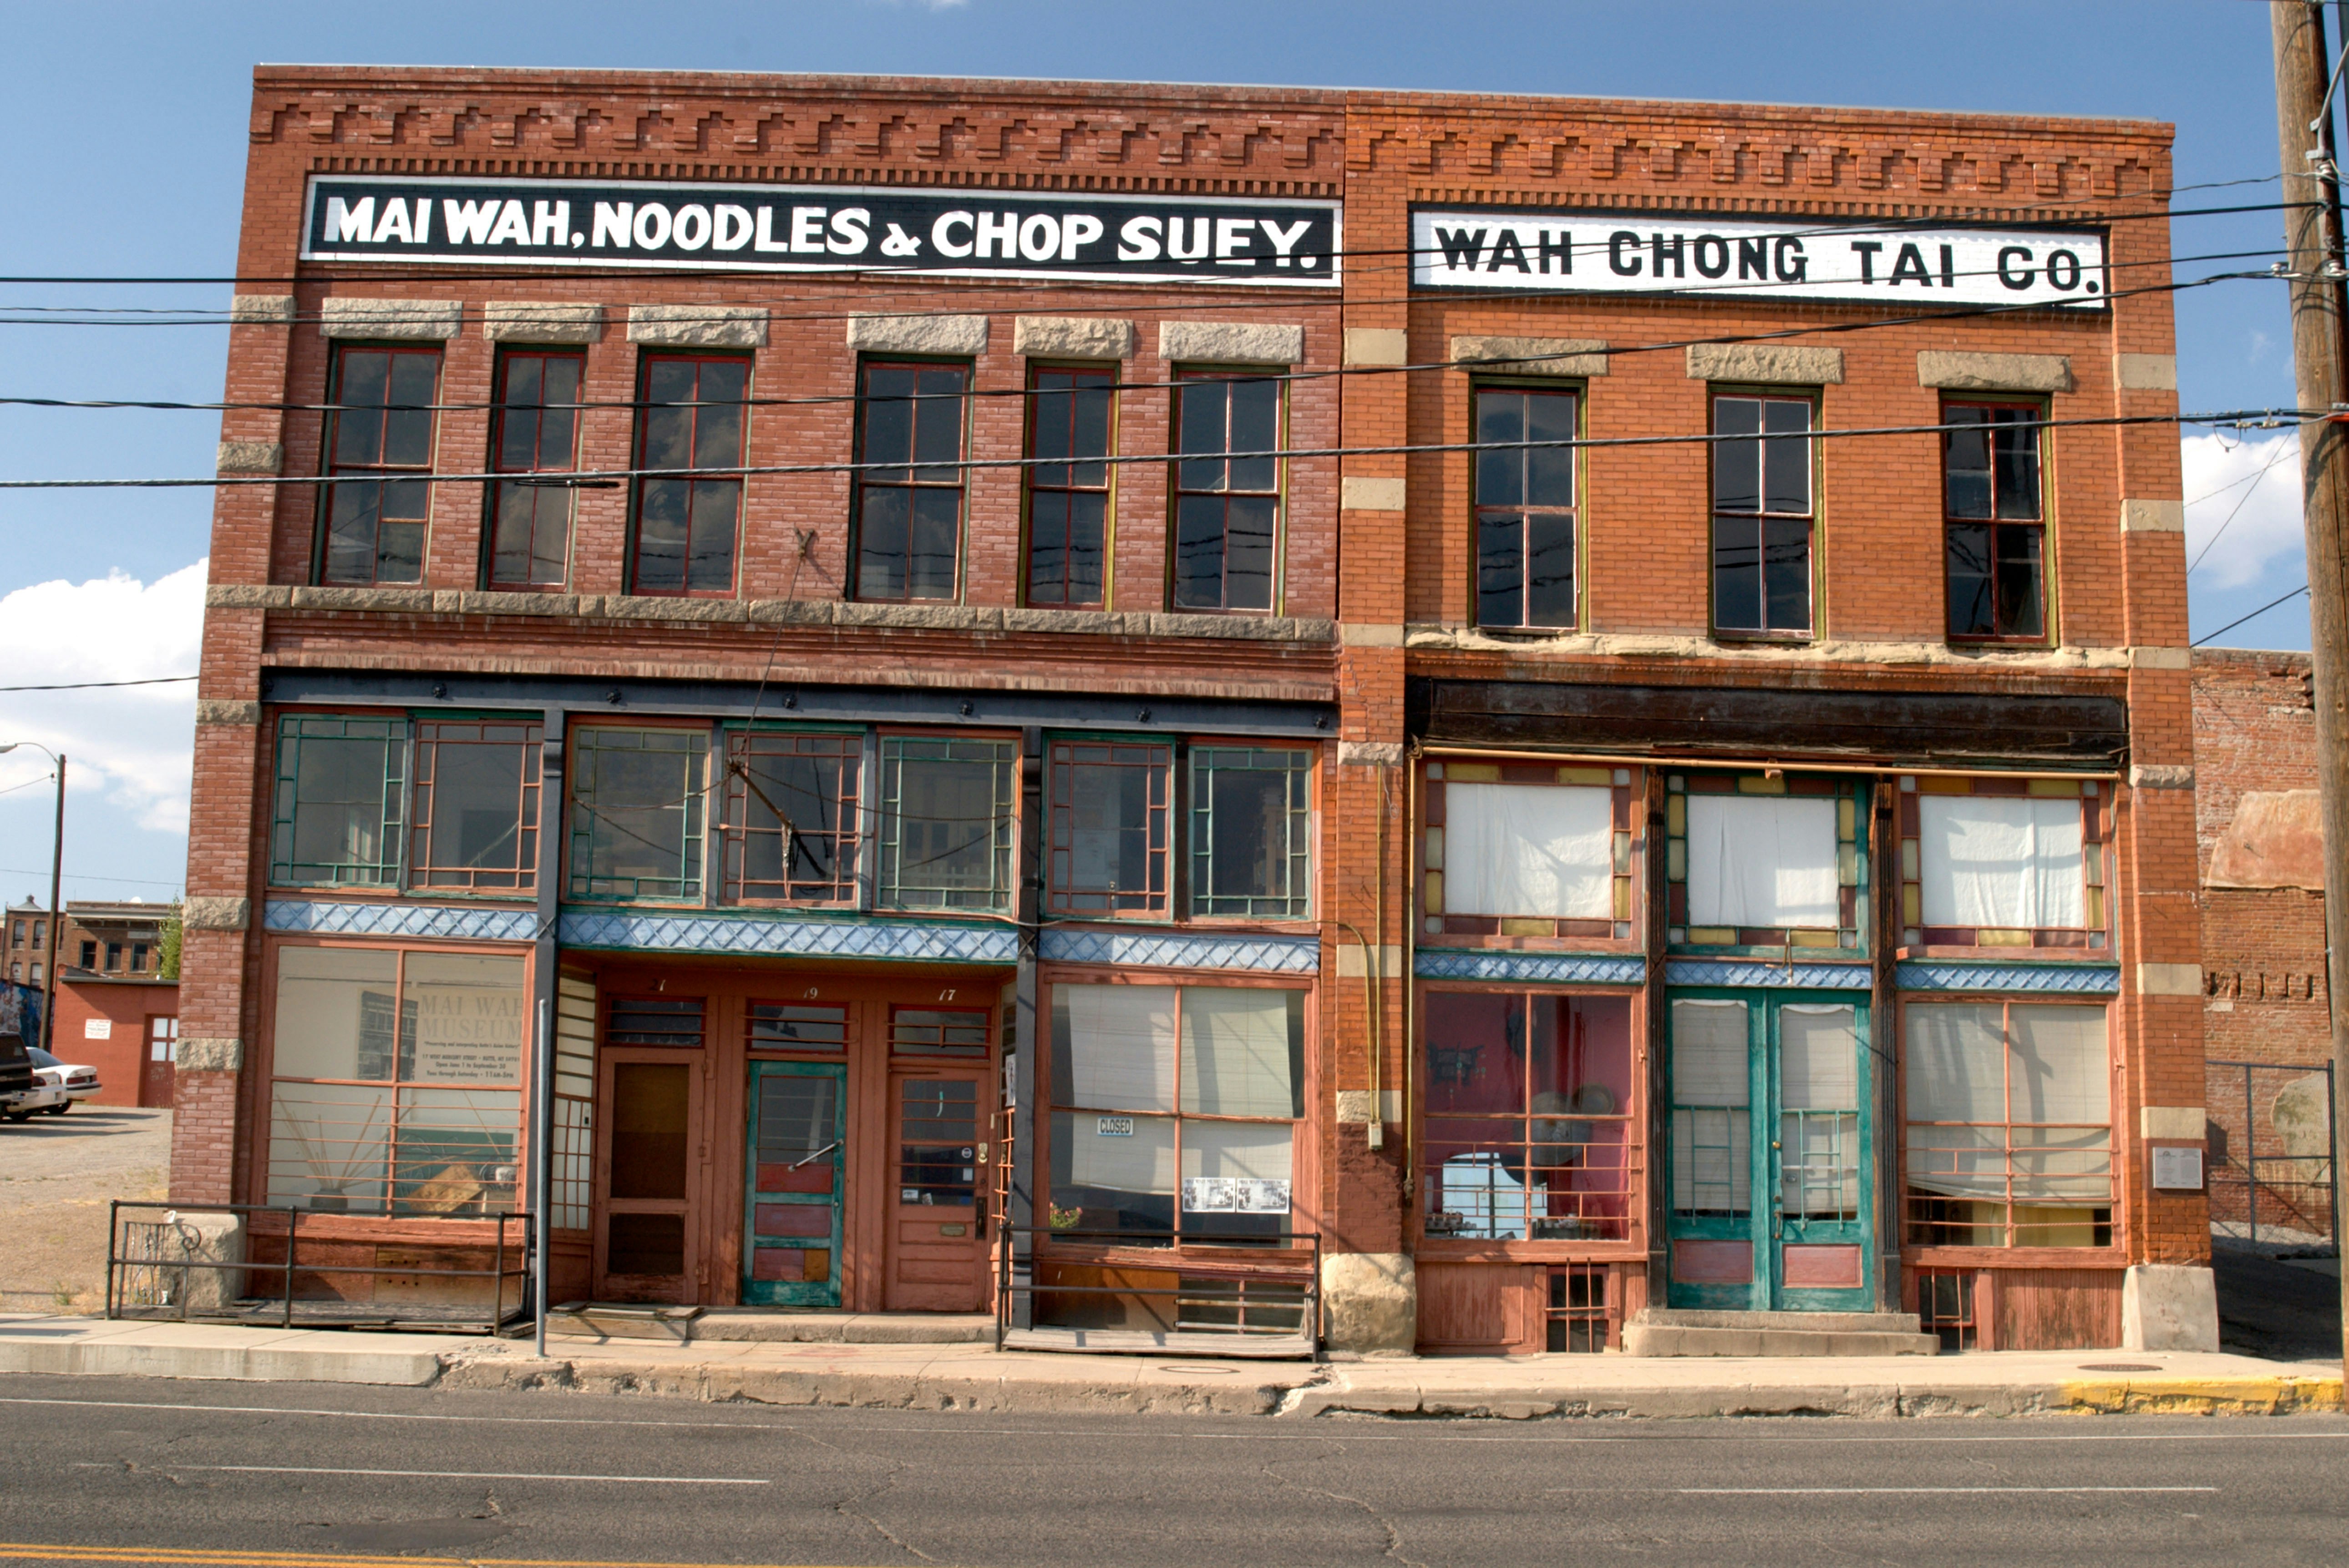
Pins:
<point x="2272" y="1155"/>
<point x="149" y="1264"/>
<point x="1257" y="1288"/>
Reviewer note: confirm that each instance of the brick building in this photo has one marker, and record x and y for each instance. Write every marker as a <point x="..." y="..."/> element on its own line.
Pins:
<point x="117" y="1009"/>
<point x="740" y="607"/>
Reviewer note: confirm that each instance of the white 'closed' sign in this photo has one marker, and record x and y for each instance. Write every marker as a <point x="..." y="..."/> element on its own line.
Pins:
<point x="98" y="1029"/>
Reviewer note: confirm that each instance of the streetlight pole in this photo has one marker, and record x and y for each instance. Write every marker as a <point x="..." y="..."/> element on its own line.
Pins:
<point x="57" y="908"/>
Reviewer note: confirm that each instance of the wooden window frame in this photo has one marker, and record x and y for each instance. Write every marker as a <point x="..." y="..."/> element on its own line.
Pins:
<point x="1625" y="932"/>
<point x="1155" y="900"/>
<point x="866" y="480"/>
<point x="1813" y="521"/>
<point x="382" y="875"/>
<point x="742" y="815"/>
<point x="2035" y="412"/>
<point x="497" y="496"/>
<point x="1575" y="393"/>
<point x="1177" y="490"/>
<point x="723" y="473"/>
<point x="425" y="739"/>
<point x="888" y="886"/>
<point x="1854" y="797"/>
<point x="578" y="882"/>
<point x="350" y="475"/>
<point x="1193" y="897"/>
<point x="1080" y="377"/>
<point x="2097" y="833"/>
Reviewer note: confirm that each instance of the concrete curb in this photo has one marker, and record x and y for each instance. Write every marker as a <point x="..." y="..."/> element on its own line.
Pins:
<point x="2159" y="1396"/>
<point x="257" y="1364"/>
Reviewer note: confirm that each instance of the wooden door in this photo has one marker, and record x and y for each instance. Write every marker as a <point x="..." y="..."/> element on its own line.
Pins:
<point x="936" y="1225"/>
<point x="798" y="1162"/>
<point x="644" y="1240"/>
<point x="160" y="1060"/>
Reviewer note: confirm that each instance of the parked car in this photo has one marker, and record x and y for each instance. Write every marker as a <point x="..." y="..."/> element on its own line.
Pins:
<point x="16" y="1076"/>
<point x="56" y="1084"/>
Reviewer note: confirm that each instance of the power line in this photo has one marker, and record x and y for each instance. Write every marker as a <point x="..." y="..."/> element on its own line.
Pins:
<point x="2241" y="501"/>
<point x="92" y="686"/>
<point x="2252" y="617"/>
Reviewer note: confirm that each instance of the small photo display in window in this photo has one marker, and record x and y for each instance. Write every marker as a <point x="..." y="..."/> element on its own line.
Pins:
<point x="1233" y="1195"/>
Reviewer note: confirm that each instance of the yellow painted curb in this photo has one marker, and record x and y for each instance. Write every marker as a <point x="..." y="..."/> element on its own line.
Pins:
<point x="2204" y="1396"/>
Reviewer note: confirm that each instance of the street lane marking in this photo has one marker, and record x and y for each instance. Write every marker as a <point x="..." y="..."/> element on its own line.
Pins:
<point x="443" y="1475"/>
<point x="1894" y="1491"/>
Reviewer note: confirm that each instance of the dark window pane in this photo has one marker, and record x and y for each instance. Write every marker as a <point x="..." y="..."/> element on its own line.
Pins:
<point x="1737" y="573"/>
<point x="1500" y="570"/>
<point x="937" y="422"/>
<point x="1787" y="461"/>
<point x="883" y="534"/>
<point x="1087" y="547"/>
<point x="353" y="510"/>
<point x="936" y="523"/>
<point x="561" y="385"/>
<point x="1970" y="581"/>
<point x="1050" y="517"/>
<point x="1549" y="471"/>
<point x="1255" y="428"/>
<point x="518" y="443"/>
<point x="1737" y="464"/>
<point x="1199" y="552"/>
<point x="1250" y="523"/>
<point x="888" y="419"/>
<point x="1500" y="475"/>
<point x="1786" y="573"/>
<point x="1549" y="569"/>
<point x="2020" y="594"/>
<point x="715" y="503"/>
<point x="2018" y="472"/>
<point x="1251" y="819"/>
<point x="661" y="534"/>
<point x="407" y="430"/>
<point x="358" y="429"/>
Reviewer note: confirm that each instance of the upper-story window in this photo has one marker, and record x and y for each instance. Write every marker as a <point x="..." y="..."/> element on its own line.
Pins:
<point x="1251" y="832"/>
<point x="1762" y="516"/>
<point x="947" y="808"/>
<point x="793" y="803"/>
<point x="340" y="802"/>
<point x="2003" y="862"/>
<point x="1067" y="497"/>
<point x="536" y="433"/>
<point x="1525" y="508"/>
<point x="1227" y="509"/>
<point x="373" y="517"/>
<point x="636" y="812"/>
<point x="1111" y="828"/>
<point x="687" y="522"/>
<point x="909" y="514"/>
<point x="1994" y="517"/>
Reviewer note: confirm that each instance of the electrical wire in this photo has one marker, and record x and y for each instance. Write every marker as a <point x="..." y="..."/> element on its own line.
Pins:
<point x="2252" y="617"/>
<point x="2241" y="501"/>
<point x="92" y="686"/>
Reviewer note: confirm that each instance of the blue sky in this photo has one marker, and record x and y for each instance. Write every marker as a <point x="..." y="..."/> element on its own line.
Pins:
<point x="130" y="123"/>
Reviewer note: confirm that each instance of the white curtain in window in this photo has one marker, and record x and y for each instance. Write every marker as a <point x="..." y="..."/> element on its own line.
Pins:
<point x="2062" y="1073"/>
<point x="1762" y="861"/>
<point x="1712" y="1170"/>
<point x="1819" y="1057"/>
<point x="1540" y="850"/>
<point x="1235" y="1059"/>
<point x="1709" y="1052"/>
<point x="2011" y="862"/>
<point x="1122" y="1153"/>
<point x="1956" y="1066"/>
<point x="1121" y="1045"/>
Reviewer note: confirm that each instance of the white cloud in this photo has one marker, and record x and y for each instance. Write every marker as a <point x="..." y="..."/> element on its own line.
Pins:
<point x="2257" y="483"/>
<point x="133" y="745"/>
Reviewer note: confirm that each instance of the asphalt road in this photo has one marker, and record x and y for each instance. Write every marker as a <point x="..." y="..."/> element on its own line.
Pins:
<point x="220" y="1474"/>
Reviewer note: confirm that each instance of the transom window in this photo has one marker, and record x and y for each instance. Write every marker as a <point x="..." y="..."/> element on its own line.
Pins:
<point x="1992" y="512"/>
<point x="1068" y="499"/>
<point x="1527" y="1131"/>
<point x="1528" y="849"/>
<point x="947" y="808"/>
<point x="1525" y="508"/>
<point x="1762" y="516"/>
<point x="798" y="1027"/>
<point x="537" y="432"/>
<point x="636" y="812"/>
<point x="793" y="809"/>
<point x="1251" y="844"/>
<point x="937" y="1031"/>
<point x="476" y="806"/>
<point x="2002" y="862"/>
<point x="1175" y="1109"/>
<point x="909" y="514"/>
<point x="1112" y="823"/>
<point x="372" y="530"/>
<point x="692" y="417"/>
<point x="1757" y="861"/>
<point x="1227" y="510"/>
<point x="339" y="802"/>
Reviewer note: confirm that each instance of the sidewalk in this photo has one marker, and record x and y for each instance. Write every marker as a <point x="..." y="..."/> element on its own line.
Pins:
<point x="977" y="1377"/>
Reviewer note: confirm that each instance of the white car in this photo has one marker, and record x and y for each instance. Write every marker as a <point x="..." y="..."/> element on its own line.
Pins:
<point x="56" y="1084"/>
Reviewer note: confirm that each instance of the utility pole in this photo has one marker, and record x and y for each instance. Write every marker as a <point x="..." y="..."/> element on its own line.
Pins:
<point x="57" y="916"/>
<point x="2312" y="242"/>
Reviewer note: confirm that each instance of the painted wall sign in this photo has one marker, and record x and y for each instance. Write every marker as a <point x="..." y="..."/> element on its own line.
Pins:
<point x="1703" y="256"/>
<point x="823" y="228"/>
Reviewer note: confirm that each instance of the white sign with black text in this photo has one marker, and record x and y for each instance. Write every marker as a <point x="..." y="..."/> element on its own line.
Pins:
<point x="1707" y="257"/>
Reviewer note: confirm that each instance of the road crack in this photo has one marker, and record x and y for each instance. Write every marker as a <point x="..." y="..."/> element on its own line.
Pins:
<point x="845" y="1507"/>
<point x="1394" y="1537"/>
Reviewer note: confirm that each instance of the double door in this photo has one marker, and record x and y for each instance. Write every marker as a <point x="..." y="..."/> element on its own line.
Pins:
<point x="1772" y="1125"/>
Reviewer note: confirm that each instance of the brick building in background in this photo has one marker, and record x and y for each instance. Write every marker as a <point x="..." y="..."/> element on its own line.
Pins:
<point x="2261" y="853"/>
<point x="943" y="635"/>
<point x="117" y="1009"/>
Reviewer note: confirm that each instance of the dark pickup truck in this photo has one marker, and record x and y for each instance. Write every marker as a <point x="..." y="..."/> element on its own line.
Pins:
<point x="15" y="1061"/>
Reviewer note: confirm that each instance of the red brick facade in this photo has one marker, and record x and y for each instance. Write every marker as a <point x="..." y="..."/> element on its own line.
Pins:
<point x="1376" y="608"/>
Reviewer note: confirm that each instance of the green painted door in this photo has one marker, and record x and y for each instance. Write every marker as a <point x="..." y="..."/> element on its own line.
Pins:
<point x="1770" y="1129"/>
<point x="790" y="1221"/>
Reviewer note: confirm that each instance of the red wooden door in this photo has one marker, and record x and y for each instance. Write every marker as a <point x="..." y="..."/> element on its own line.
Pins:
<point x="936" y="1245"/>
<point x="158" y="1061"/>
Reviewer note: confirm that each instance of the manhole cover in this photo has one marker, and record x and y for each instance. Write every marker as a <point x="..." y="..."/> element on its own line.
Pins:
<point x="1176" y="1367"/>
<point x="2120" y="1367"/>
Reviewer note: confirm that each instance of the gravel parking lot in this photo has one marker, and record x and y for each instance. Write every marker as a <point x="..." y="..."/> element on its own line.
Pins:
<point x="57" y="1175"/>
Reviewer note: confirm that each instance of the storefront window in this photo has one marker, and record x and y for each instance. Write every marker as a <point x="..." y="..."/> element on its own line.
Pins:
<point x="1251" y="839"/>
<point x="2009" y="1134"/>
<point x="1174" y="1110"/>
<point x="336" y="818"/>
<point x="635" y="823"/>
<point x="792" y="804"/>
<point x="1527" y="1131"/>
<point x="476" y="806"/>
<point x="1111" y="826"/>
<point x="396" y="1081"/>
<point x="946" y="823"/>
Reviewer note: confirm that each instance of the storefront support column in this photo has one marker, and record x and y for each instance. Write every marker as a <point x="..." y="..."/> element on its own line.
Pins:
<point x="1883" y="1035"/>
<point x="544" y="961"/>
<point x="1019" y="1211"/>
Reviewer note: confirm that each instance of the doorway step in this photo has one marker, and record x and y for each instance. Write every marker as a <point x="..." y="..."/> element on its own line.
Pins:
<point x="1661" y="1331"/>
<point x="685" y="1325"/>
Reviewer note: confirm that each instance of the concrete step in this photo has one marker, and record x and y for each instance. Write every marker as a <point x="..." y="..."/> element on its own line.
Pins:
<point x="687" y="1324"/>
<point x="1661" y="1331"/>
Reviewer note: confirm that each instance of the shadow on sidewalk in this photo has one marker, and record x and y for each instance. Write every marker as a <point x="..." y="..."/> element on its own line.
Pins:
<point x="2277" y="1310"/>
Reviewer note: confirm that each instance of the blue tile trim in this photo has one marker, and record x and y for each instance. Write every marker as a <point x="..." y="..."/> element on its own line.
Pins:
<point x="470" y="923"/>
<point x="1800" y="977"/>
<point x="784" y="937"/>
<point x="1181" y="950"/>
<point x="1569" y="968"/>
<point x="2060" y="979"/>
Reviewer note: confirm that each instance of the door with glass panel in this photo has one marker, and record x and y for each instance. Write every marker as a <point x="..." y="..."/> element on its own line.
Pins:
<point x="1771" y="1126"/>
<point x="791" y="1209"/>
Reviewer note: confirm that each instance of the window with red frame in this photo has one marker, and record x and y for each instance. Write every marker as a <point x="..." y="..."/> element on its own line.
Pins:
<point x="691" y="419"/>
<point x="371" y="520"/>
<point x="792" y="806"/>
<point x="1227" y="510"/>
<point x="537" y="433"/>
<point x="909" y="517"/>
<point x="1068" y="499"/>
<point x="1111" y="828"/>
<point x="1993" y="522"/>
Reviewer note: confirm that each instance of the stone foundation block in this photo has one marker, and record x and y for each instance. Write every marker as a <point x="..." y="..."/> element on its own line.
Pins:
<point x="2168" y="1306"/>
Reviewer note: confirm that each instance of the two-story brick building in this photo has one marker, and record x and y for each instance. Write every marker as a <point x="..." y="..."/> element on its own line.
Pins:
<point x="1523" y="711"/>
